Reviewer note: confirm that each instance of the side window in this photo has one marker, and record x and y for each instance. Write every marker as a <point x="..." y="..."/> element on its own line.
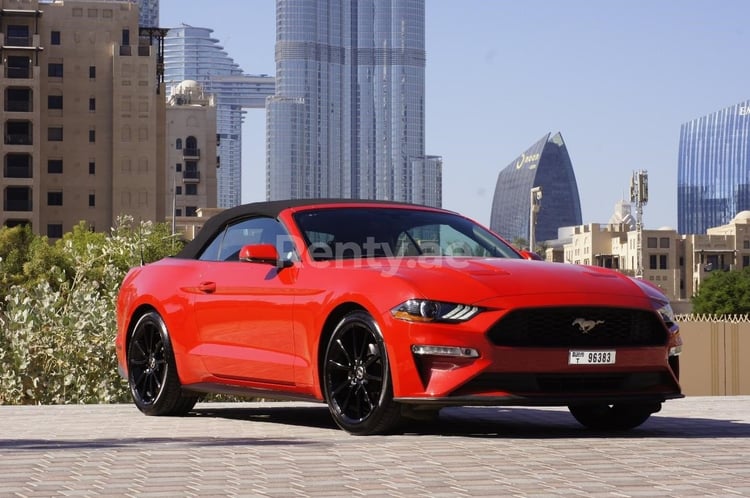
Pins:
<point x="227" y="244"/>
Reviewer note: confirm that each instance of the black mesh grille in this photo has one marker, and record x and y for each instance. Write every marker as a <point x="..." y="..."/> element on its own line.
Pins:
<point x="578" y="327"/>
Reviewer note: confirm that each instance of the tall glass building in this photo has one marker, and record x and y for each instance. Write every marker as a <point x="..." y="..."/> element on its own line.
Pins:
<point x="545" y="164"/>
<point x="191" y="53"/>
<point x="713" y="182"/>
<point x="348" y="117"/>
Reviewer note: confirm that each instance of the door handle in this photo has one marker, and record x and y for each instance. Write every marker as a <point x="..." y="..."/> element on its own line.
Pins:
<point x="207" y="287"/>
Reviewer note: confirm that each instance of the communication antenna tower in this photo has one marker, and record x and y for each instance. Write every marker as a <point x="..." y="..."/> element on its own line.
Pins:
<point x="639" y="197"/>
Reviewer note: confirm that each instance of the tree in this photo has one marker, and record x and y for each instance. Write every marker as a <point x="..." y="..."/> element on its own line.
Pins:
<point x="724" y="293"/>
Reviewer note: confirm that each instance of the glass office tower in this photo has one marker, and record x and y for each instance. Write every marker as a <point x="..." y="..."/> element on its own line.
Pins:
<point x="545" y="164"/>
<point x="713" y="183"/>
<point x="191" y="53"/>
<point x="348" y="117"/>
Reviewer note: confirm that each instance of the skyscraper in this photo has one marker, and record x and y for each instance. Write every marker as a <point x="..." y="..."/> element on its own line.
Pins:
<point x="348" y="117"/>
<point x="191" y="53"/>
<point x="713" y="164"/>
<point x="545" y="164"/>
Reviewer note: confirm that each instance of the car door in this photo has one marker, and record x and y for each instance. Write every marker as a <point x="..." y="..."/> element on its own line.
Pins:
<point x="243" y="310"/>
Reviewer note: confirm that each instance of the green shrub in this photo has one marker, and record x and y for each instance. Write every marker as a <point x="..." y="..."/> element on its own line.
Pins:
<point x="58" y="324"/>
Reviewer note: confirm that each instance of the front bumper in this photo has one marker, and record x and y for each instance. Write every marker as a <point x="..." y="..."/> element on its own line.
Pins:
<point x="510" y="375"/>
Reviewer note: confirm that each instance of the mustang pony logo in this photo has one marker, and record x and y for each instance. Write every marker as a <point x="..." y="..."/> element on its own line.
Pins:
<point x="585" y="326"/>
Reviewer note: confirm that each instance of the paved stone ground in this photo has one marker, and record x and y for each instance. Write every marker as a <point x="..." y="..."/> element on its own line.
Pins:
<point x="693" y="447"/>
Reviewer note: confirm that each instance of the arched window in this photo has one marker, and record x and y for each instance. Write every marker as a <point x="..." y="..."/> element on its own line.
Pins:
<point x="191" y="143"/>
<point x="178" y="144"/>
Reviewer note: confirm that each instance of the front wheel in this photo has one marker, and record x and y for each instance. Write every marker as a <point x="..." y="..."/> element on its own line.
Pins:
<point x="617" y="417"/>
<point x="152" y="373"/>
<point x="357" y="379"/>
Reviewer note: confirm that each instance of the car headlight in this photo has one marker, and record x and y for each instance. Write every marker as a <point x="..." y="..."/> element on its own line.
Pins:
<point x="425" y="310"/>
<point x="667" y="314"/>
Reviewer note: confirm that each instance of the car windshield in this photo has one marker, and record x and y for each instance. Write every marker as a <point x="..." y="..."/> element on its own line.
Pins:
<point x="366" y="232"/>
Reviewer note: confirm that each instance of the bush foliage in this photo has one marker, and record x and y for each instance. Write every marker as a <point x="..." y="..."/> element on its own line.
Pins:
<point x="57" y="310"/>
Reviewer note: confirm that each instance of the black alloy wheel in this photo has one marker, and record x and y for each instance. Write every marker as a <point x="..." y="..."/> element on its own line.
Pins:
<point x="357" y="379"/>
<point x="617" y="417"/>
<point x="152" y="374"/>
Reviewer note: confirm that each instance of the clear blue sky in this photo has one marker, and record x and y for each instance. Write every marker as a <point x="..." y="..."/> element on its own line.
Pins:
<point x="617" y="78"/>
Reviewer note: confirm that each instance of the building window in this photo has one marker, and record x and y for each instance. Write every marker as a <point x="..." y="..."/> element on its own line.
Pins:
<point x="54" y="102"/>
<point x="745" y="261"/>
<point x="54" y="166"/>
<point x="664" y="242"/>
<point x="652" y="262"/>
<point x="55" y="230"/>
<point x="651" y="242"/>
<point x="92" y="168"/>
<point x="125" y="37"/>
<point x="54" y="38"/>
<point x="55" y="70"/>
<point x="178" y="167"/>
<point x="191" y="211"/>
<point x="92" y="136"/>
<point x="92" y="72"/>
<point x="178" y="144"/>
<point x="191" y="189"/>
<point x="663" y="262"/>
<point x="92" y="200"/>
<point x="178" y="190"/>
<point x="746" y="244"/>
<point x="178" y="212"/>
<point x="54" y="198"/>
<point x="55" y="134"/>
<point x="92" y="104"/>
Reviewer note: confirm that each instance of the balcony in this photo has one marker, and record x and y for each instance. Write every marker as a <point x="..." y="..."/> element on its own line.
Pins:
<point x="20" y="42"/>
<point x="18" y="100"/>
<point x="18" y="106"/>
<point x="191" y="176"/>
<point x="191" y="153"/>
<point x="18" y="67"/>
<point x="17" y="41"/>
<point x="17" y="199"/>
<point x="18" y="166"/>
<point x="18" y="139"/>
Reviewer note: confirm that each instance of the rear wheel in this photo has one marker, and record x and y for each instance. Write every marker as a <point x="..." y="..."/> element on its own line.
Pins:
<point x="357" y="378"/>
<point x="617" y="417"/>
<point x="152" y="374"/>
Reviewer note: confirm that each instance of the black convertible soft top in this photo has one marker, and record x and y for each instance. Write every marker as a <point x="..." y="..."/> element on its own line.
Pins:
<point x="270" y="209"/>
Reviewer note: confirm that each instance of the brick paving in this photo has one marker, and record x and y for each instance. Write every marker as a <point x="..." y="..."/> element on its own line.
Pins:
<point x="694" y="447"/>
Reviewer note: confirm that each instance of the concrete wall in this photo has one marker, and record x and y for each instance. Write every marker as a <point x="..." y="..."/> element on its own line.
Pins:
<point x="711" y="362"/>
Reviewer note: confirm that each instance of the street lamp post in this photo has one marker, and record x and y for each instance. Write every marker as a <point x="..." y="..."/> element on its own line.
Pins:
<point x="535" y="204"/>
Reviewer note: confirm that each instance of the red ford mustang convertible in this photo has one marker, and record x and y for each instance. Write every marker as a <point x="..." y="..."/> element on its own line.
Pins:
<point x="389" y="311"/>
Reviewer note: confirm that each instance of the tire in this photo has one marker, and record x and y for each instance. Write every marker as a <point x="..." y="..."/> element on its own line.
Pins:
<point x="152" y="373"/>
<point x="617" y="417"/>
<point x="357" y="378"/>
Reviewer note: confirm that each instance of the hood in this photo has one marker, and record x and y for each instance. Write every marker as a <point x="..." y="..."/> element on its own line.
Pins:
<point x="475" y="280"/>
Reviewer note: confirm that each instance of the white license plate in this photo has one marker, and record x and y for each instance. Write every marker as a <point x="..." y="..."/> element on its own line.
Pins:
<point x="591" y="358"/>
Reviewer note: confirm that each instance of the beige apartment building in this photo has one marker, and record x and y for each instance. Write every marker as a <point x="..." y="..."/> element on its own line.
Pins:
<point x="191" y="157"/>
<point x="676" y="263"/>
<point x="83" y="115"/>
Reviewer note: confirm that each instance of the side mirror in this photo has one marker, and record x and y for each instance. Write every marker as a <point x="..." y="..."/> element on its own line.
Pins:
<point x="531" y="255"/>
<point x="263" y="253"/>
